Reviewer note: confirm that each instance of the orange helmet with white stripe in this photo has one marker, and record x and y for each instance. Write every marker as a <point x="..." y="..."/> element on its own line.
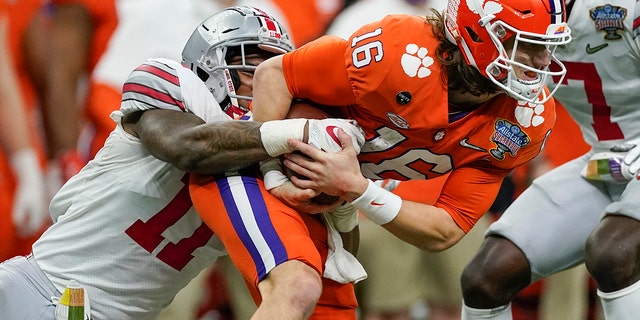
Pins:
<point x="480" y="28"/>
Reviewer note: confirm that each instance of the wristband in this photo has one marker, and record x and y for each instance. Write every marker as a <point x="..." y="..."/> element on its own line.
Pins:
<point x="272" y="173"/>
<point x="274" y="135"/>
<point x="378" y="204"/>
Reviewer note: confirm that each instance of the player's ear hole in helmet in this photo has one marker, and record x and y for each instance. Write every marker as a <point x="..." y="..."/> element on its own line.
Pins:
<point x="236" y="32"/>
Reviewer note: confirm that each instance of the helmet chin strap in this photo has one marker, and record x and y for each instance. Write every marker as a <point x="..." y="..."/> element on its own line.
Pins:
<point x="233" y="110"/>
<point x="230" y="104"/>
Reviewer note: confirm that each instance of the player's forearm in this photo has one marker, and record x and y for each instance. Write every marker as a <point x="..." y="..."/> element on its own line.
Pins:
<point x="425" y="226"/>
<point x="68" y="55"/>
<point x="222" y="147"/>
<point x="185" y="141"/>
<point x="61" y="117"/>
<point x="233" y="145"/>
<point x="13" y="133"/>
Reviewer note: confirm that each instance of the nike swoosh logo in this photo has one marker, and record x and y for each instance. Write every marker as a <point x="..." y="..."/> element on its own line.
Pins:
<point x="331" y="131"/>
<point x="373" y="203"/>
<point x="592" y="50"/>
<point x="465" y="143"/>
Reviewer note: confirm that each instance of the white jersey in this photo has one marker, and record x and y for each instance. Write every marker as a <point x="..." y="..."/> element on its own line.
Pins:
<point x="124" y="226"/>
<point x="601" y="90"/>
<point x="553" y="218"/>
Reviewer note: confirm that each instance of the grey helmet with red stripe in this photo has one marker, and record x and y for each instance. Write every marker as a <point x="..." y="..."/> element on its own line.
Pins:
<point x="234" y="31"/>
<point x="480" y="27"/>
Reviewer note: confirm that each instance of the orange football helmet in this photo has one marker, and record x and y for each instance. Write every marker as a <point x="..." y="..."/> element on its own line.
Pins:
<point x="480" y="28"/>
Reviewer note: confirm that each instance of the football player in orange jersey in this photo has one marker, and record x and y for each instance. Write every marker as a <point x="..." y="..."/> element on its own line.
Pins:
<point x="467" y="101"/>
<point x="390" y="77"/>
<point x="23" y="196"/>
<point x="461" y="94"/>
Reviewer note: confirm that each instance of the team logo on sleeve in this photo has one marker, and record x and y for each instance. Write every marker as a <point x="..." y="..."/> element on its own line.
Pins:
<point x="508" y="137"/>
<point x="415" y="62"/>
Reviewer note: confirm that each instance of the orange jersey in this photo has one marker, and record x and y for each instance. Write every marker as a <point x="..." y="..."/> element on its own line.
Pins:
<point x="305" y="22"/>
<point x="566" y="141"/>
<point x="389" y="78"/>
<point x="19" y="15"/>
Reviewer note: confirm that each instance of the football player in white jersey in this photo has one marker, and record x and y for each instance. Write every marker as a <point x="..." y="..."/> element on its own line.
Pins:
<point x="587" y="210"/>
<point x="125" y="227"/>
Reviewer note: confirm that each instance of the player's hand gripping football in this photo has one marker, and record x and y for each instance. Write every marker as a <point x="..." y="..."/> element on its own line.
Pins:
<point x="301" y="199"/>
<point x="323" y="134"/>
<point x="335" y="173"/>
<point x="319" y="133"/>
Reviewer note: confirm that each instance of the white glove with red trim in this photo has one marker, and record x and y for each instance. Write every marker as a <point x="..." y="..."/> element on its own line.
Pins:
<point x="324" y="136"/>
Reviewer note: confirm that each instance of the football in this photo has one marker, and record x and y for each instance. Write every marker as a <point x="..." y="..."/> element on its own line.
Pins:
<point x="306" y="110"/>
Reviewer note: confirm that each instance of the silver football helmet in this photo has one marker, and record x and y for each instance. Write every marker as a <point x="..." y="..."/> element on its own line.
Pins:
<point x="234" y="31"/>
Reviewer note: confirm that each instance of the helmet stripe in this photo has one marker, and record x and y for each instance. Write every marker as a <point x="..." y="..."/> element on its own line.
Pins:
<point x="556" y="9"/>
<point x="272" y="26"/>
<point x="267" y="21"/>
